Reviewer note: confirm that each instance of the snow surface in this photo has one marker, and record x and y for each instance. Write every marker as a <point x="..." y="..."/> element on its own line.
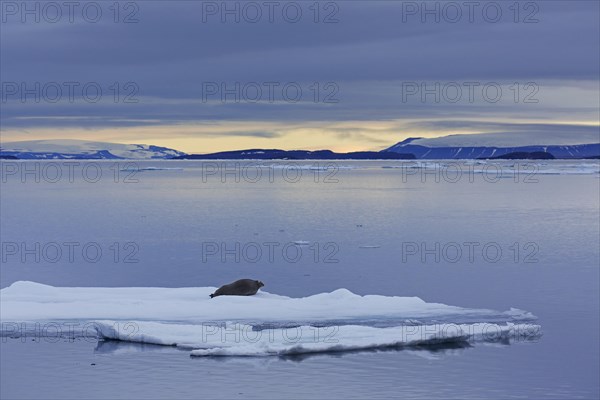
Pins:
<point x="509" y="139"/>
<point x="30" y="301"/>
<point x="264" y="324"/>
<point x="243" y="340"/>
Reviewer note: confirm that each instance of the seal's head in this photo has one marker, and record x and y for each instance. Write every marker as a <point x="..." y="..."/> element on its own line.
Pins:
<point x="260" y="284"/>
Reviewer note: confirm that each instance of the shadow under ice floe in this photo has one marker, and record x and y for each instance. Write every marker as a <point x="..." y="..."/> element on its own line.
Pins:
<point x="257" y="326"/>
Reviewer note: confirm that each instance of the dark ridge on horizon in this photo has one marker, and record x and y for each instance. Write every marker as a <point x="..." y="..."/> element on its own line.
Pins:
<point x="277" y="154"/>
<point x="404" y="150"/>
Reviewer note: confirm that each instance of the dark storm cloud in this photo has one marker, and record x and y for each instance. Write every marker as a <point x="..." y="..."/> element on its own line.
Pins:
<point x="170" y="43"/>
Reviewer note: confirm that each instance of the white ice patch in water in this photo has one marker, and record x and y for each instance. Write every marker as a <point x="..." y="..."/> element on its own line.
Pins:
<point x="30" y="301"/>
<point x="243" y="340"/>
<point x="260" y="325"/>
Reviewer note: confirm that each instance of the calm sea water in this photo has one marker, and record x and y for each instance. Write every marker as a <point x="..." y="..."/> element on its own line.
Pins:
<point x="495" y="240"/>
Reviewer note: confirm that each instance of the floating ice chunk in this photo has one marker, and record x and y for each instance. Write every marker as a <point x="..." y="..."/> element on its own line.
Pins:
<point x="30" y="301"/>
<point x="243" y="340"/>
<point x="260" y="325"/>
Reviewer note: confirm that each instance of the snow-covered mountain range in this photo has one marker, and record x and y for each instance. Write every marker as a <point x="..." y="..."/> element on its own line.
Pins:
<point x="82" y="149"/>
<point x="490" y="145"/>
<point x="446" y="147"/>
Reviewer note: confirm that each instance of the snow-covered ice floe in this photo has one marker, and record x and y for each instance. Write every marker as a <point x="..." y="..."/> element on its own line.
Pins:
<point x="245" y="340"/>
<point x="260" y="325"/>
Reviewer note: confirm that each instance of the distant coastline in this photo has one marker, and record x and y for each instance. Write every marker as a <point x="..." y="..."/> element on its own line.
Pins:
<point x="409" y="149"/>
<point x="276" y="154"/>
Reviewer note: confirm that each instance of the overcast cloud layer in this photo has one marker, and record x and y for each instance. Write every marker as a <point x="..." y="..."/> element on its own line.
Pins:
<point x="370" y="73"/>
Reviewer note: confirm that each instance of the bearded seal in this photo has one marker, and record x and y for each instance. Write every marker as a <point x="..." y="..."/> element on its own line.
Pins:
<point x="242" y="287"/>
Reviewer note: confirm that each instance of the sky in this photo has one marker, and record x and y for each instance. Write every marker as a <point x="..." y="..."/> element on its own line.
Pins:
<point x="206" y="76"/>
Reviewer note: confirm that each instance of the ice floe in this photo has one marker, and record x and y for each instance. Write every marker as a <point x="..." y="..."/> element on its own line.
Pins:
<point x="245" y="340"/>
<point x="260" y="325"/>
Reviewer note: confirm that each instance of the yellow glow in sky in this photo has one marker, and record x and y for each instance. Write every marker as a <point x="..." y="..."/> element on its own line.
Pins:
<point x="237" y="135"/>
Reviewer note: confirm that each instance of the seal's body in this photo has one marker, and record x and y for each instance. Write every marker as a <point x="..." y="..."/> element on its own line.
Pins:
<point x="242" y="287"/>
